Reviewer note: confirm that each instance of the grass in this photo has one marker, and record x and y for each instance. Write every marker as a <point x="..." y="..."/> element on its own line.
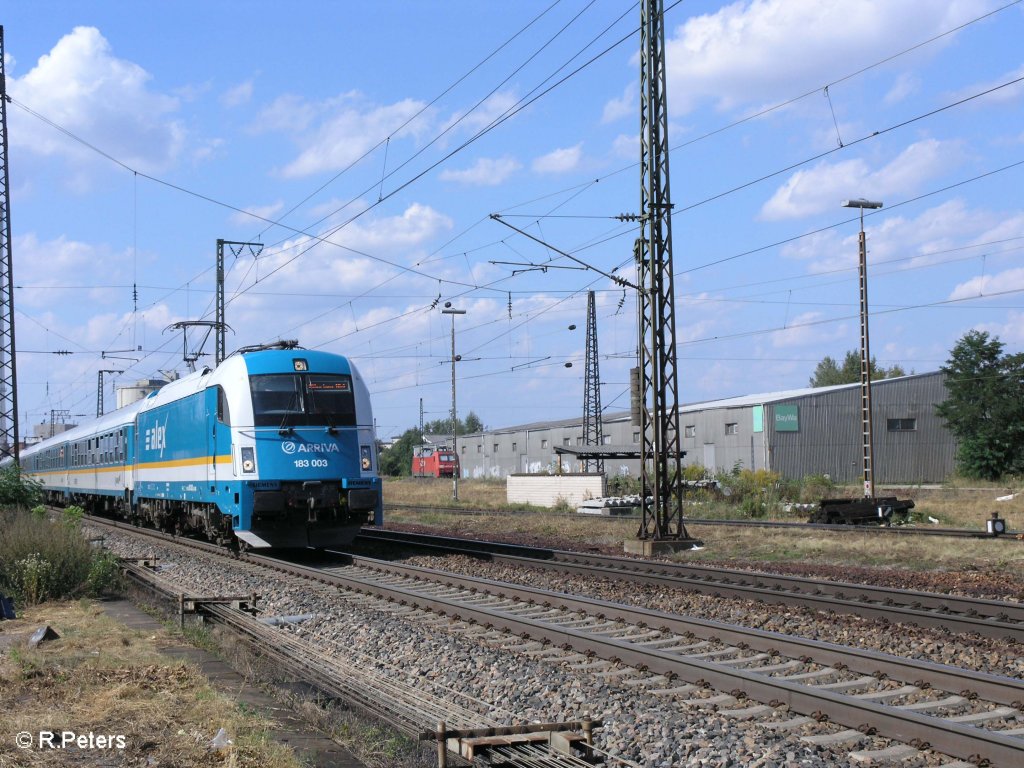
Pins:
<point x="43" y="559"/>
<point x="105" y="678"/>
<point x="953" y="508"/>
<point x="437" y="491"/>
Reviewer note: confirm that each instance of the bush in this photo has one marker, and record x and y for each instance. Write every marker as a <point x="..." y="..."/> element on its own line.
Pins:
<point x="623" y="485"/>
<point x="752" y="507"/>
<point x="814" y="488"/>
<point x="563" y="507"/>
<point x="16" y="490"/>
<point x="693" y="472"/>
<point x="73" y="515"/>
<point x="741" y="484"/>
<point x="42" y="560"/>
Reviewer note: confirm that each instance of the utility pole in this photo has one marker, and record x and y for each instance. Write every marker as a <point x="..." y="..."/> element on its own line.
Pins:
<point x="421" y="417"/>
<point x="867" y="445"/>
<point x="593" y="429"/>
<point x="100" y="410"/>
<point x="255" y="249"/>
<point x="455" y="414"/>
<point x="9" y="439"/>
<point x="662" y="525"/>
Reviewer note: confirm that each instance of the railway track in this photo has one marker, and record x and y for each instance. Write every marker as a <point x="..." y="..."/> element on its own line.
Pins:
<point x="746" y="673"/>
<point x="989" y="618"/>
<point x="340" y="671"/>
<point x="898" y="530"/>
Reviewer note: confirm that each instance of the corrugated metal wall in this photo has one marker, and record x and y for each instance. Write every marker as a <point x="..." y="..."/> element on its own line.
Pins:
<point x="828" y="440"/>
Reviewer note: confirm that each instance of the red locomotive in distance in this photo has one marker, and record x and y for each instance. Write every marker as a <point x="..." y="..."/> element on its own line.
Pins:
<point x="434" y="461"/>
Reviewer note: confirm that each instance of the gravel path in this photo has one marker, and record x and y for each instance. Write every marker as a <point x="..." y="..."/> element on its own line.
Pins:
<point x="507" y="684"/>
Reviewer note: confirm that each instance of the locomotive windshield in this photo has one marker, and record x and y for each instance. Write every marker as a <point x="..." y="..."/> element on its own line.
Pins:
<point x="303" y="400"/>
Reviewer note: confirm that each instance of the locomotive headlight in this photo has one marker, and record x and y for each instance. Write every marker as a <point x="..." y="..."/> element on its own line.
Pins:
<point x="248" y="460"/>
<point x="365" y="461"/>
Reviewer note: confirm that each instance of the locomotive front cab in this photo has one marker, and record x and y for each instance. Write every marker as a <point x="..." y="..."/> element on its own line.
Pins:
<point x="312" y="466"/>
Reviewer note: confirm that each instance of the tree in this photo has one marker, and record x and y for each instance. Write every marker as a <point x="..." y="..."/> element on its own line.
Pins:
<point x="470" y="425"/>
<point x="985" y="408"/>
<point x="828" y="372"/>
<point x="396" y="461"/>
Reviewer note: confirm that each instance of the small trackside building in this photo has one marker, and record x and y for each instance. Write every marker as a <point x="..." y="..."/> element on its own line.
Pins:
<point x="795" y="433"/>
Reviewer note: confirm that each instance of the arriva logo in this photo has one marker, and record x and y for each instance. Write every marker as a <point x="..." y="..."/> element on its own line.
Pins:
<point x="290" y="447"/>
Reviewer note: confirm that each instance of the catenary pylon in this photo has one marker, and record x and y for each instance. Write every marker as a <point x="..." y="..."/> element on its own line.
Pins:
<point x="661" y="457"/>
<point x="8" y="368"/>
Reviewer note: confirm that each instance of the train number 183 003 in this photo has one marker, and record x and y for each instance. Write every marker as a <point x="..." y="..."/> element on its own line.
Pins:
<point x="307" y="463"/>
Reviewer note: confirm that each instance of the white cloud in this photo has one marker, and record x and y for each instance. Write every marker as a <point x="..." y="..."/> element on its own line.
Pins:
<point x="762" y="50"/>
<point x="809" y="328"/>
<point x="486" y="171"/>
<point x="624" y="106"/>
<point x="981" y="285"/>
<point x="1005" y="95"/>
<point x="627" y="146"/>
<point x="1010" y="333"/>
<point x="905" y="85"/>
<point x="826" y="185"/>
<point x="334" y="132"/>
<point x="915" y="241"/>
<point x="493" y="108"/>
<point x="238" y="94"/>
<point x="82" y="86"/>
<point x="64" y="262"/>
<point x="559" y="160"/>
<point x="394" y="238"/>
<point x="261" y="211"/>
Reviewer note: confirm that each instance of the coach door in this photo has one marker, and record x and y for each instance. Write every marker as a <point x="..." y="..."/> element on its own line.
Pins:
<point x="211" y="437"/>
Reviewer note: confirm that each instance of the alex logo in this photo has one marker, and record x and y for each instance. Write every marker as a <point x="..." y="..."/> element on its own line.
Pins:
<point x="156" y="438"/>
<point x="290" y="447"/>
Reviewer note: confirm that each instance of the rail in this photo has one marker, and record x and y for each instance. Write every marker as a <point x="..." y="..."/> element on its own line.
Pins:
<point x="557" y="622"/>
<point x="990" y="618"/>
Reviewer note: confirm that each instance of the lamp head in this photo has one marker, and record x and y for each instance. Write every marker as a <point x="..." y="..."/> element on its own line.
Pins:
<point x="860" y="202"/>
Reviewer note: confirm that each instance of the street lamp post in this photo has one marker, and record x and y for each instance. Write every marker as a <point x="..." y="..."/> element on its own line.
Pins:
<point x="455" y="429"/>
<point x="868" y="453"/>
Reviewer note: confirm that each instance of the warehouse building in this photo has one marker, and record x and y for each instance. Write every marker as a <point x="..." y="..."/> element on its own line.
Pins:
<point x="796" y="433"/>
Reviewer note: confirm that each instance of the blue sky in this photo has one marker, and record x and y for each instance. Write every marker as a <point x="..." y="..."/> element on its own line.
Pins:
<point x="366" y="145"/>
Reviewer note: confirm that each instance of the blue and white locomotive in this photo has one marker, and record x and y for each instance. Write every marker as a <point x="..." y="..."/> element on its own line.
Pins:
<point x="274" y="447"/>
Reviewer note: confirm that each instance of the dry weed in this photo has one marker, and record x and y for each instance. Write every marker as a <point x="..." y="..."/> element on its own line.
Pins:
<point x="103" y="678"/>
